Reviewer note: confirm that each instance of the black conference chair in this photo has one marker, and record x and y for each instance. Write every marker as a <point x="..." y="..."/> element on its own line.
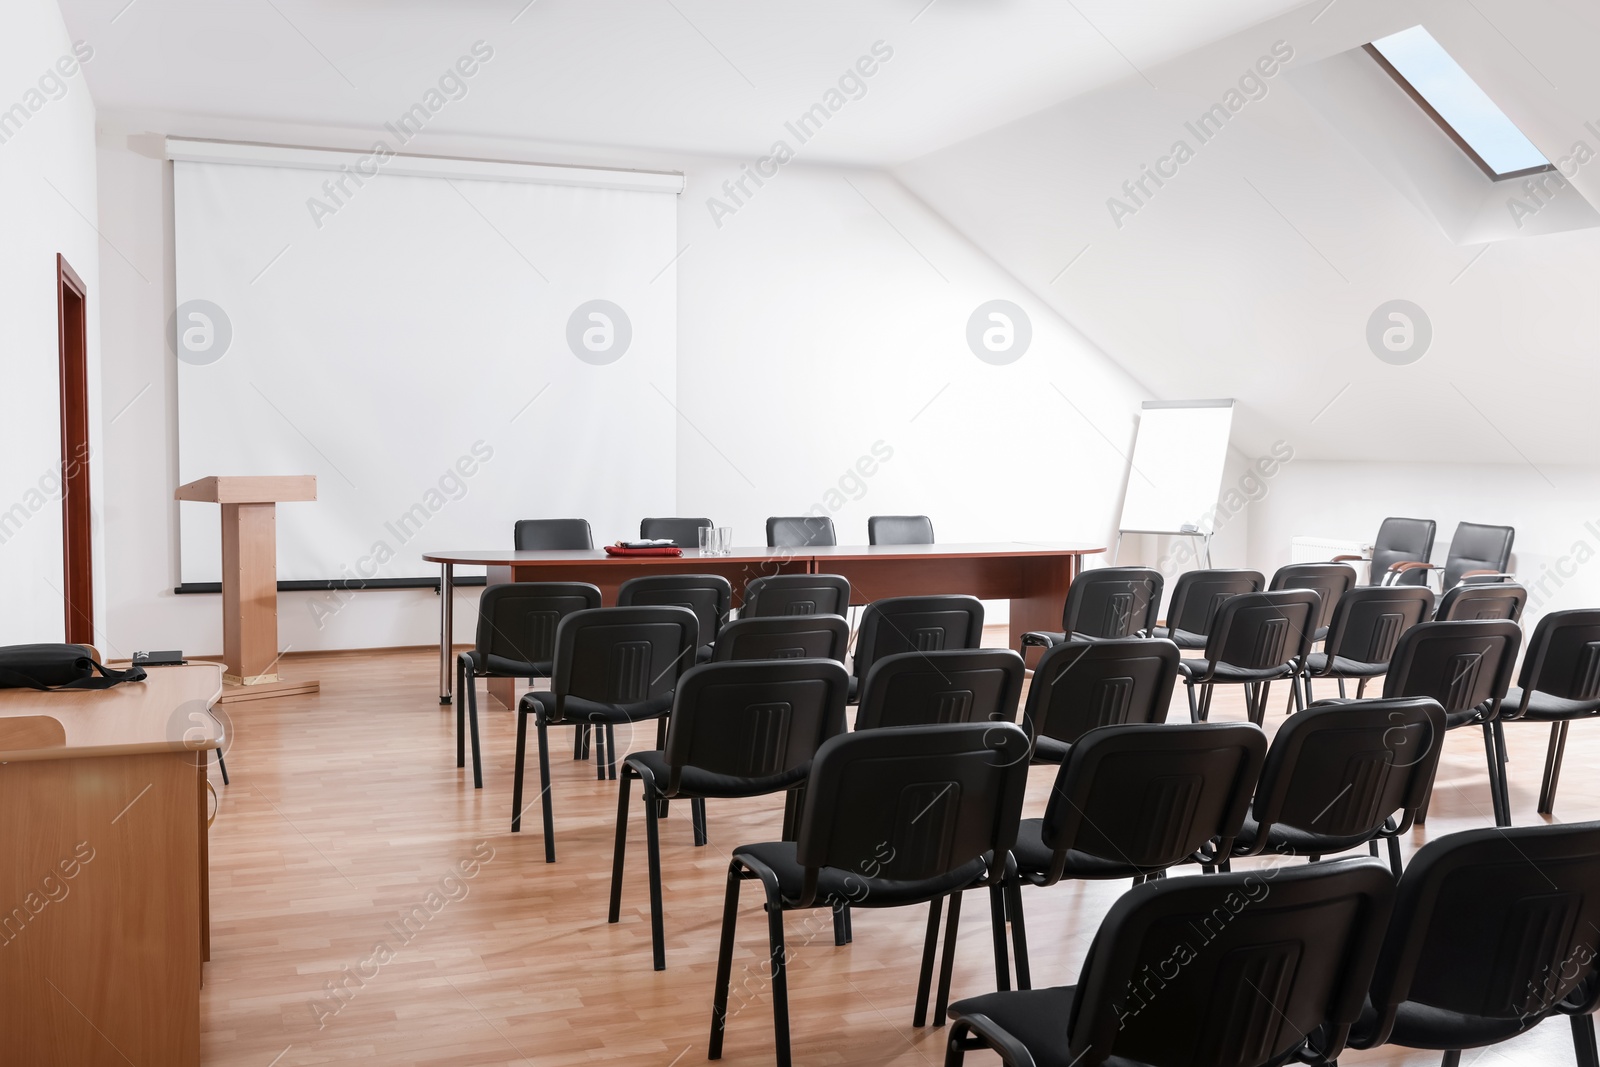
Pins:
<point x="914" y="624"/>
<point x="784" y="637"/>
<point x="800" y="531"/>
<point x="1342" y="775"/>
<point x="1465" y="666"/>
<point x="1106" y="603"/>
<point x="1231" y="970"/>
<point x="1083" y="685"/>
<point x="516" y="639"/>
<point x="531" y="535"/>
<point x="685" y="533"/>
<point x="1492" y="933"/>
<point x="1256" y="639"/>
<point x="1330" y="580"/>
<point x="612" y="665"/>
<point x="899" y="530"/>
<point x="1362" y="635"/>
<point x="1130" y="802"/>
<point x="1475" y="551"/>
<point x="1482" y="600"/>
<point x="709" y="596"/>
<point x="1196" y="598"/>
<point x="892" y="818"/>
<point x="1399" y="541"/>
<point x="737" y="730"/>
<point x="949" y="685"/>
<point x="1559" y="685"/>
<point x="795" y="594"/>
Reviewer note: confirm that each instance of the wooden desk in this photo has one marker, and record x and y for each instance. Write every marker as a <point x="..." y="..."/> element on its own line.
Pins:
<point x="103" y="882"/>
<point x="1033" y="576"/>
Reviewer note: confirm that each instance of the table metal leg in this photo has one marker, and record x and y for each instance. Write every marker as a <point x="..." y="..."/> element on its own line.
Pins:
<point x="446" y="627"/>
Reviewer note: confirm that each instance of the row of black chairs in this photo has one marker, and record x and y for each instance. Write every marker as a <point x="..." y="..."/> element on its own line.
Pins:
<point x="783" y="531"/>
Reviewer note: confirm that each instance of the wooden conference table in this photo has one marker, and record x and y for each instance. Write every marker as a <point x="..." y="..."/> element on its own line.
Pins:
<point x="103" y="874"/>
<point x="1034" y="576"/>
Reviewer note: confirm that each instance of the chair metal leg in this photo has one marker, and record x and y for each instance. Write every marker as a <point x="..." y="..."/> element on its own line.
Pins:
<point x="471" y="691"/>
<point x="1194" y="706"/>
<point x="697" y="815"/>
<point x="222" y="765"/>
<point x="780" y="974"/>
<point x="1583" y="1041"/>
<point x="1491" y="751"/>
<point x="619" y="852"/>
<point x="1206" y="692"/>
<point x="841" y="925"/>
<point x="930" y="944"/>
<point x="1361" y="688"/>
<point x="1019" y="935"/>
<point x="580" y="742"/>
<point x="1309" y="697"/>
<point x="997" y="931"/>
<point x="1552" y="767"/>
<point x="611" y="753"/>
<point x="793" y="801"/>
<point x="952" y="925"/>
<point x="1451" y="1059"/>
<point x="544" y="791"/>
<point x="652" y="844"/>
<point x="719" y="997"/>
<point x="601" y="736"/>
<point x="1394" y="856"/>
<point x="1294" y="694"/>
<point x="1341" y="689"/>
<point x="461" y="716"/>
<point x="516" y="779"/>
<point x="1505" y="777"/>
<point x="1261" y="702"/>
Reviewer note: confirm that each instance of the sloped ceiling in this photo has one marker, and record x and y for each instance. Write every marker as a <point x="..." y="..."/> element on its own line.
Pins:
<point x="705" y="76"/>
<point x="1254" y="271"/>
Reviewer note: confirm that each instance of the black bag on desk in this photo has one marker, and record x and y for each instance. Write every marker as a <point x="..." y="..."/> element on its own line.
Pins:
<point x="58" y="667"/>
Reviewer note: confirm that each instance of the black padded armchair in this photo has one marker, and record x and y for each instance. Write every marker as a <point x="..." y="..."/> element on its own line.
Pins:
<point x="800" y="531"/>
<point x="1399" y="540"/>
<point x="1362" y="635"/>
<point x="1196" y="598"/>
<point x="530" y="535"/>
<point x="1559" y="685"/>
<point x="1256" y="639"/>
<point x="1106" y="603"/>
<point x="1476" y="551"/>
<point x="899" y="530"/>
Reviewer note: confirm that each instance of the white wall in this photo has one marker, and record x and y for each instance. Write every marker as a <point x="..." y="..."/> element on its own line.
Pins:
<point x="828" y="314"/>
<point x="47" y="182"/>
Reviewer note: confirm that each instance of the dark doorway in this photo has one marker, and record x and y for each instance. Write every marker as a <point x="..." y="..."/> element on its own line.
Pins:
<point x="77" y="563"/>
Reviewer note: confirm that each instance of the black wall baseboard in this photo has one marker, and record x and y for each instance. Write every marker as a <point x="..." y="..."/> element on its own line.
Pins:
<point x="354" y="585"/>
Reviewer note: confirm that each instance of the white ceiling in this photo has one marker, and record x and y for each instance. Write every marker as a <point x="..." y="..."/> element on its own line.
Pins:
<point x="702" y="76"/>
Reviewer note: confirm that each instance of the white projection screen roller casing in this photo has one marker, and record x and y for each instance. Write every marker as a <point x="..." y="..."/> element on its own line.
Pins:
<point x="411" y="349"/>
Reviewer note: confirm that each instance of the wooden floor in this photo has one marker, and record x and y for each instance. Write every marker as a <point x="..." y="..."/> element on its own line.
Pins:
<point x="344" y="928"/>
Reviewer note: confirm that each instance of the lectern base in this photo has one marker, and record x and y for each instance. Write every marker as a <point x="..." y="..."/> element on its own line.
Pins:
<point x="233" y="693"/>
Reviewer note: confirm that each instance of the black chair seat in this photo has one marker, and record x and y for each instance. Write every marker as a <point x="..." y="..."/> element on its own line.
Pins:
<point x="1047" y="638"/>
<point x="1049" y="750"/>
<point x="1033" y="858"/>
<point x="704" y="653"/>
<point x="1227" y="672"/>
<point x="500" y="666"/>
<point x="1542" y="707"/>
<point x="836" y="886"/>
<point x="1342" y="666"/>
<point x="1180" y="637"/>
<point x="1292" y="841"/>
<point x="1423" y="1027"/>
<point x="579" y="709"/>
<point x="855" y="690"/>
<point x="1035" y="1017"/>
<point x="702" y="783"/>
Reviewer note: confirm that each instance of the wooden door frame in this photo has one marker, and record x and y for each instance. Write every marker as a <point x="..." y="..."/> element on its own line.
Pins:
<point x="77" y="559"/>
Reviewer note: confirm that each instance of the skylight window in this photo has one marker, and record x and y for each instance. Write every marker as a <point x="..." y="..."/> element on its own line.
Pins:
<point x="1447" y="93"/>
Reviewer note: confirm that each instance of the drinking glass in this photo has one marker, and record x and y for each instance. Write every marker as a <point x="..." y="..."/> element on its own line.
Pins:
<point x="708" y="541"/>
<point x="724" y="540"/>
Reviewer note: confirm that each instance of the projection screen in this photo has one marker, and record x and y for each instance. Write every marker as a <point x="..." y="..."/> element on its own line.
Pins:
<point x="446" y="354"/>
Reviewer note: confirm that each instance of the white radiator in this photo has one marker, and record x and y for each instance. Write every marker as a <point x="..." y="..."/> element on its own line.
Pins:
<point x="1321" y="549"/>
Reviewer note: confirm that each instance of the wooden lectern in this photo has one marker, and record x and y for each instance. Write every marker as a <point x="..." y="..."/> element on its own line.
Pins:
<point x="250" y="578"/>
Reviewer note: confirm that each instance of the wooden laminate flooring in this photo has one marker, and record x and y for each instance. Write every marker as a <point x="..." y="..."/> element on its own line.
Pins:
<point x="369" y="906"/>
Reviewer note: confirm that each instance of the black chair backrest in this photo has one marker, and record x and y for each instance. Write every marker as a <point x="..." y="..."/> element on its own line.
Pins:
<point x="1082" y="685"/>
<point x="899" y="530"/>
<point x="1246" y="968"/>
<point x="1197" y="596"/>
<point x="709" y="596"/>
<point x="1482" y="600"/>
<point x="1492" y="924"/>
<point x="1151" y="794"/>
<point x="916" y="624"/>
<point x="755" y="723"/>
<point x="784" y="637"/>
<point x="1367" y="622"/>
<point x="914" y="804"/>
<point x="1563" y="657"/>
<point x="1330" y="580"/>
<point x="1340" y="770"/>
<point x="1459" y="664"/>
<point x="685" y="533"/>
<point x="796" y="594"/>
<point x="551" y="534"/>
<point x="1112" y="602"/>
<point x="1259" y="631"/>
<point x="1476" y="547"/>
<point x="623" y="655"/>
<point x="800" y="531"/>
<point x="953" y="685"/>
<point x="1403" y="541"/>
<point x="518" y="620"/>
